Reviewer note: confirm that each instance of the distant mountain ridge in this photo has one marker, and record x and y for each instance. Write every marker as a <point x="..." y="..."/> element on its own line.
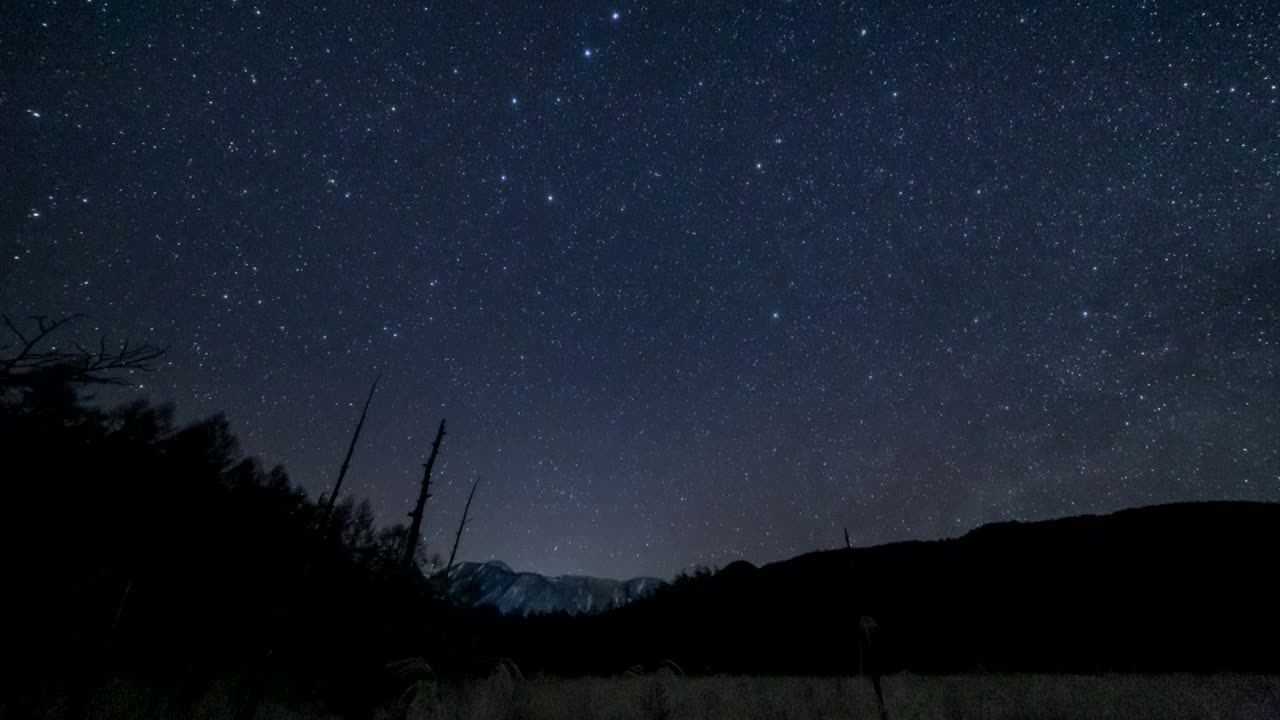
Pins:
<point x="495" y="584"/>
<point x="1169" y="588"/>
<point x="1180" y="587"/>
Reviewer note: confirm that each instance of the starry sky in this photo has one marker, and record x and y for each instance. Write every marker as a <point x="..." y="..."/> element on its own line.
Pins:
<point x="691" y="281"/>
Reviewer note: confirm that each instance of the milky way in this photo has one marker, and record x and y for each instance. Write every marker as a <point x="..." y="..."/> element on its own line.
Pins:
<point x="690" y="282"/>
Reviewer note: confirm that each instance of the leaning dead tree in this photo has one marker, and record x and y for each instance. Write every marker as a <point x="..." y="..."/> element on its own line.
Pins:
<point x="30" y="353"/>
<point x="346" y="461"/>
<point x="415" y="527"/>
<point x="457" y="538"/>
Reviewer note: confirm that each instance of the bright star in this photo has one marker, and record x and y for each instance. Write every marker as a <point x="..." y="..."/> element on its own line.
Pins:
<point x="586" y="53"/>
<point x="775" y="315"/>
<point x="616" y="15"/>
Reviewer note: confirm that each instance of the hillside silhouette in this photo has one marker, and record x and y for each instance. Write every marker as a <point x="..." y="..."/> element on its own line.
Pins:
<point x="1182" y="587"/>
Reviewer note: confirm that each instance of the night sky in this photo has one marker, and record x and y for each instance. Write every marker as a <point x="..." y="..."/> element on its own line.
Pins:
<point x="691" y="282"/>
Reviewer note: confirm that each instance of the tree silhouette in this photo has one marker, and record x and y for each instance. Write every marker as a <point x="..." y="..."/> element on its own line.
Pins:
<point x="415" y="527"/>
<point x="31" y="356"/>
<point x="136" y="546"/>
<point x="346" y="461"/>
<point x="457" y="538"/>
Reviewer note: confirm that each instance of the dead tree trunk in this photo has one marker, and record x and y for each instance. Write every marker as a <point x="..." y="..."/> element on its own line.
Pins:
<point x="466" y="510"/>
<point x="346" y="461"/>
<point x="415" y="527"/>
<point x="873" y="665"/>
<point x="879" y="690"/>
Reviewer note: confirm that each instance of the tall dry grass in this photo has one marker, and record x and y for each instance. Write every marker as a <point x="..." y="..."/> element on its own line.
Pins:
<point x="665" y="695"/>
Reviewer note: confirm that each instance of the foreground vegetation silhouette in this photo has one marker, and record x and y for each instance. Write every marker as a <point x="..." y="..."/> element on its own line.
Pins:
<point x="140" y="548"/>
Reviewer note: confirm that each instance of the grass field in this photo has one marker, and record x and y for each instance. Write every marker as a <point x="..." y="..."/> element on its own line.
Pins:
<point x="979" y="697"/>
<point x="665" y="696"/>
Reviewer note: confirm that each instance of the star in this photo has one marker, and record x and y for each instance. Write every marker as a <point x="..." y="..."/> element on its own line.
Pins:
<point x="917" y="250"/>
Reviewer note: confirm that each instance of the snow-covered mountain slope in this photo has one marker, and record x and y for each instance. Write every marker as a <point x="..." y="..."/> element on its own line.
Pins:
<point x="495" y="584"/>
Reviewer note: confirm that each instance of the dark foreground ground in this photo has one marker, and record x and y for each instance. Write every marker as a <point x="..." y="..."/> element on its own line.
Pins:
<point x="505" y="695"/>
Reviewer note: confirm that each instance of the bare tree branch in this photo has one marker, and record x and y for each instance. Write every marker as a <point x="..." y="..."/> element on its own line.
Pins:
<point x="32" y="355"/>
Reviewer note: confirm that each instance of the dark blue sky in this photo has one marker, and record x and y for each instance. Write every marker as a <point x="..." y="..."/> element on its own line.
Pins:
<point x="691" y="282"/>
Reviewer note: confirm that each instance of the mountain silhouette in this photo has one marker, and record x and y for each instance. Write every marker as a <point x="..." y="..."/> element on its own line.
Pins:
<point x="1183" y="587"/>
